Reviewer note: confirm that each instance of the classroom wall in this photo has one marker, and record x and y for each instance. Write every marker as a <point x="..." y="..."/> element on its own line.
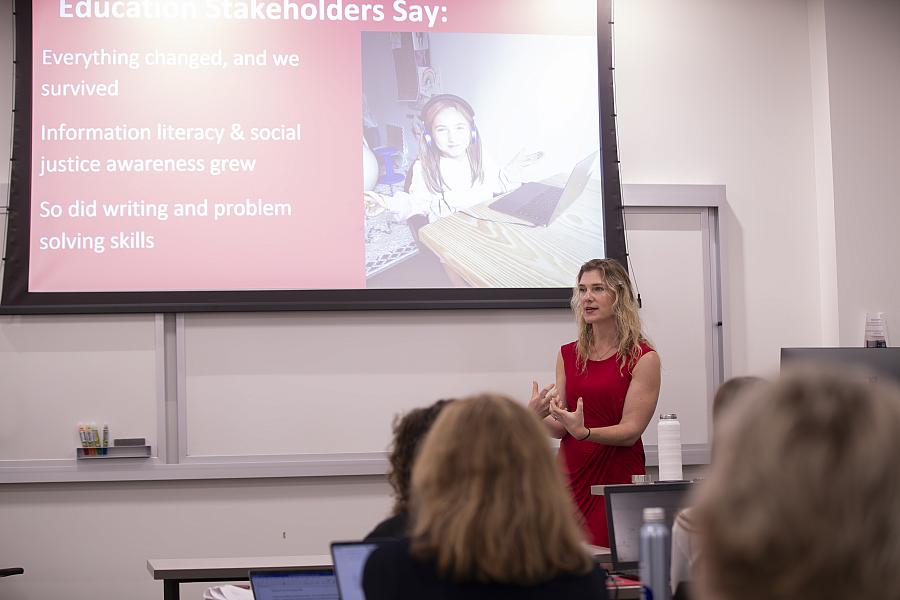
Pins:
<point x="709" y="91"/>
<point x="864" y="85"/>
<point x="719" y="92"/>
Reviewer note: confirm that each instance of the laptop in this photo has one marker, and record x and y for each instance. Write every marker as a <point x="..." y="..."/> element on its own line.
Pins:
<point x="881" y="363"/>
<point x="540" y="204"/>
<point x="625" y="506"/>
<point x="349" y="559"/>
<point x="293" y="584"/>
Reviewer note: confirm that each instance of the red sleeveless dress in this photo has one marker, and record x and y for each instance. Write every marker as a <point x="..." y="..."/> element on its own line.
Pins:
<point x="602" y="390"/>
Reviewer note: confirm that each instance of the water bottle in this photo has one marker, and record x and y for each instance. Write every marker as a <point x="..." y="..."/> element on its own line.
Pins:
<point x="656" y="548"/>
<point x="668" y="435"/>
<point x="876" y="330"/>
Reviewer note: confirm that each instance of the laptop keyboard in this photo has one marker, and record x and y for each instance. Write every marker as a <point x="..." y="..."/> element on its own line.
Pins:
<point x="541" y="206"/>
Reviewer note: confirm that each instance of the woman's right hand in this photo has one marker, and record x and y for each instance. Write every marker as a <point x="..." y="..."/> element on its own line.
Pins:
<point x="541" y="399"/>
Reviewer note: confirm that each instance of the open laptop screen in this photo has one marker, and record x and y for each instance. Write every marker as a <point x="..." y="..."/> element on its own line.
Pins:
<point x="625" y="506"/>
<point x="349" y="562"/>
<point x="292" y="584"/>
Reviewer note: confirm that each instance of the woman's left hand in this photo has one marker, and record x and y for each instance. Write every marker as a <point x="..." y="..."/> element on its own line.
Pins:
<point x="573" y="421"/>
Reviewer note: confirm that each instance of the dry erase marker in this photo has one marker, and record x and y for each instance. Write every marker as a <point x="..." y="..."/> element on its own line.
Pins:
<point x="105" y="439"/>
<point x="95" y="439"/>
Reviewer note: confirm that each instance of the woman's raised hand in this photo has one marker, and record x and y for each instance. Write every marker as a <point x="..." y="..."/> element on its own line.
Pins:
<point x="573" y="421"/>
<point x="542" y="398"/>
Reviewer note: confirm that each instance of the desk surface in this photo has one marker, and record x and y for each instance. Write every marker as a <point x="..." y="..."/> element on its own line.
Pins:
<point x="225" y="569"/>
<point x="176" y="570"/>
<point x="495" y="253"/>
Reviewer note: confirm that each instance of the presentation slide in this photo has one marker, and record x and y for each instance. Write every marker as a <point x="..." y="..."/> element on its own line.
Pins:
<point x="239" y="145"/>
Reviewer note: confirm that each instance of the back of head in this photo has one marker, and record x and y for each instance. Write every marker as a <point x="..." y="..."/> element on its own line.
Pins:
<point x="409" y="432"/>
<point x="488" y="499"/>
<point x="803" y="495"/>
<point x="730" y="391"/>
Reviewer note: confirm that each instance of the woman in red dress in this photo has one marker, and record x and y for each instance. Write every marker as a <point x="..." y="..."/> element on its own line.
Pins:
<point x="607" y="385"/>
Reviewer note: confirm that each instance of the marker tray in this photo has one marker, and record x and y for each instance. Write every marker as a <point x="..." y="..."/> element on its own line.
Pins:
<point x="113" y="452"/>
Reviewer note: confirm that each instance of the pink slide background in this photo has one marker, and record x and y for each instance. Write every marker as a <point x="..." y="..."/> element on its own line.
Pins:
<point x="321" y="244"/>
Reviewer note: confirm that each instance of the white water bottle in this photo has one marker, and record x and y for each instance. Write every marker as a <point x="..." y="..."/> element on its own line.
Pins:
<point x="668" y="435"/>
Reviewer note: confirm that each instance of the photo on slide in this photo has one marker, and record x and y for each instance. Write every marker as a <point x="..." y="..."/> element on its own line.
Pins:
<point x="488" y="177"/>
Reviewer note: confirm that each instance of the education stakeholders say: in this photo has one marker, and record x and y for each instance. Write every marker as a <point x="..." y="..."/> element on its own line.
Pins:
<point x="318" y="10"/>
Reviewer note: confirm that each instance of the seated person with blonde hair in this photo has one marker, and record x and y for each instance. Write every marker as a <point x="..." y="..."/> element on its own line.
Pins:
<point x="803" y="495"/>
<point x="685" y="547"/>
<point x="490" y="517"/>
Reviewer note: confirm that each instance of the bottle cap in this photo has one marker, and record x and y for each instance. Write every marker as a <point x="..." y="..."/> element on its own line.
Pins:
<point x="667" y="416"/>
<point x="654" y="515"/>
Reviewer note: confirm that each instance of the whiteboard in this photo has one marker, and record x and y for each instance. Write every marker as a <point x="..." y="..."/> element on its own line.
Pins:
<point x="316" y="383"/>
<point x="668" y="247"/>
<point x="58" y="371"/>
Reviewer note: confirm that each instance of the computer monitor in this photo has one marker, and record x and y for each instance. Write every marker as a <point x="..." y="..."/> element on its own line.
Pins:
<point x="293" y="584"/>
<point x="625" y="506"/>
<point x="349" y="559"/>
<point x="880" y="362"/>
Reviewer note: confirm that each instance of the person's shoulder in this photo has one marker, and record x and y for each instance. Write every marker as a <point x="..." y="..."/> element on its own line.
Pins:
<point x="568" y="350"/>
<point x="386" y="568"/>
<point x="645" y="347"/>
<point x="391" y="528"/>
<point x="389" y="551"/>
<point x="646" y="355"/>
<point x="588" y="585"/>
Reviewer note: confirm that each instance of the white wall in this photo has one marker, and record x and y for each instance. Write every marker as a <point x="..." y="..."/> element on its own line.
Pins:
<point x="719" y="92"/>
<point x="709" y="91"/>
<point x="864" y="83"/>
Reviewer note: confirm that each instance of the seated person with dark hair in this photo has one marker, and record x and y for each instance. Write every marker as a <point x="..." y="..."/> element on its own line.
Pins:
<point x="409" y="431"/>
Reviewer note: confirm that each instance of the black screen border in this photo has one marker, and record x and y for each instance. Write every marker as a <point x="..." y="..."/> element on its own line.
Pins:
<point x="16" y="299"/>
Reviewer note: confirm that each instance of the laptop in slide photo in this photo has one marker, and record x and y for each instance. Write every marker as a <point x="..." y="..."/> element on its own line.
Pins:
<point x="349" y="559"/>
<point x="540" y="204"/>
<point x="293" y="584"/>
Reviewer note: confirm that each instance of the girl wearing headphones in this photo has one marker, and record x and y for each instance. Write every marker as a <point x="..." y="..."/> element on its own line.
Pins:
<point x="452" y="172"/>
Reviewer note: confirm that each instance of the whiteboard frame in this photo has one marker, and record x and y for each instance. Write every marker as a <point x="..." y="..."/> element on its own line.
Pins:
<point x="172" y="462"/>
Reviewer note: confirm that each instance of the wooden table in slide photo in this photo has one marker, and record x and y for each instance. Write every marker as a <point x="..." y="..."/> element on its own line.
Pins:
<point x="491" y="251"/>
<point x="175" y="571"/>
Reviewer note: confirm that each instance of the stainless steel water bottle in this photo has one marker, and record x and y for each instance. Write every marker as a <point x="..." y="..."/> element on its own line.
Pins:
<point x="656" y="548"/>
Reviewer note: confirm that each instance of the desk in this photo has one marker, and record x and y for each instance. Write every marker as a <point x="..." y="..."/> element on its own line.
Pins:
<point x="175" y="571"/>
<point x="495" y="253"/>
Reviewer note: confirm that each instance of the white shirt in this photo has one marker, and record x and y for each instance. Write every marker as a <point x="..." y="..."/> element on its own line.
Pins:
<point x="460" y="193"/>
<point x="685" y="551"/>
